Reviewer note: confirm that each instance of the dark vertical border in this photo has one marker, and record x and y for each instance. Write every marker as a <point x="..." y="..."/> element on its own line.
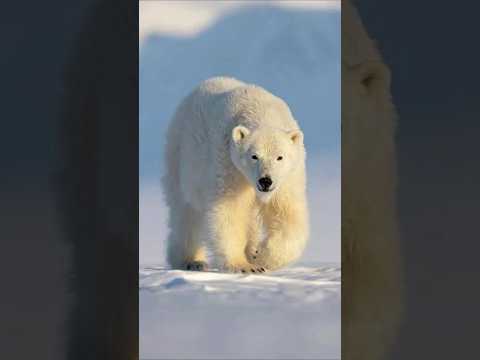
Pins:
<point x="69" y="180"/>
<point x="372" y="292"/>
<point x="428" y="46"/>
<point x="100" y="182"/>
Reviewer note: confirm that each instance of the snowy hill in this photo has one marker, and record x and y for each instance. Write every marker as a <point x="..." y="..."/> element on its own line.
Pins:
<point x="293" y="53"/>
<point x="288" y="314"/>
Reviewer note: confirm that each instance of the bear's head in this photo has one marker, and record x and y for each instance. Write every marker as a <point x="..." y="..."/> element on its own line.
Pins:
<point x="266" y="156"/>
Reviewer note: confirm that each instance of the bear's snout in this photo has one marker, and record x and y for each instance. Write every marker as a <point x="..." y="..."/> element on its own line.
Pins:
<point x="264" y="183"/>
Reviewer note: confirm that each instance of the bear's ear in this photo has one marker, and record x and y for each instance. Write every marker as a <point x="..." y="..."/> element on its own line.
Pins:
<point x="296" y="136"/>
<point x="239" y="133"/>
<point x="373" y="75"/>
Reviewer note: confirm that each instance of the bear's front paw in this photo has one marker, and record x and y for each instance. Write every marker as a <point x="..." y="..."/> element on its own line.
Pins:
<point x="252" y="256"/>
<point x="196" y="266"/>
<point x="255" y="257"/>
<point x="253" y="269"/>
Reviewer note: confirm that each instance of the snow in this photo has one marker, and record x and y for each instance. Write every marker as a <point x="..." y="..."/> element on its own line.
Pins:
<point x="188" y="18"/>
<point x="287" y="314"/>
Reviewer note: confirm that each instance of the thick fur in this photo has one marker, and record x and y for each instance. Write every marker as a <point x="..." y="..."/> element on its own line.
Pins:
<point x="211" y="179"/>
<point x="371" y="289"/>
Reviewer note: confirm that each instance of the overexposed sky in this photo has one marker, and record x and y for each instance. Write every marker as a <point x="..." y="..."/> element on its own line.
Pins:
<point x="187" y="18"/>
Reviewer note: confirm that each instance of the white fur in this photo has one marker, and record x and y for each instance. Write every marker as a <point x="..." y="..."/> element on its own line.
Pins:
<point x="211" y="179"/>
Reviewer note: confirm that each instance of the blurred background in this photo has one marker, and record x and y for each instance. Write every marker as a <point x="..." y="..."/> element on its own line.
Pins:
<point x="292" y="48"/>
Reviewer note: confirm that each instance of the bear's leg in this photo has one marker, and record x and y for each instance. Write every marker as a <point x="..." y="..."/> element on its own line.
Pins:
<point x="254" y="236"/>
<point x="185" y="249"/>
<point x="227" y="228"/>
<point x="286" y="236"/>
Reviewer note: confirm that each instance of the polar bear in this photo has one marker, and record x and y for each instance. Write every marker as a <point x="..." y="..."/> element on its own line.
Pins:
<point x="235" y="180"/>
<point x="371" y="274"/>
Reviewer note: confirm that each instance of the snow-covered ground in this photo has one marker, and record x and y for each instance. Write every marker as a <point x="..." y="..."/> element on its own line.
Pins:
<point x="287" y="314"/>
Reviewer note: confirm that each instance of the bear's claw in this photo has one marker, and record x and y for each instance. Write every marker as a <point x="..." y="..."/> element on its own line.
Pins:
<point x="259" y="270"/>
<point x="249" y="268"/>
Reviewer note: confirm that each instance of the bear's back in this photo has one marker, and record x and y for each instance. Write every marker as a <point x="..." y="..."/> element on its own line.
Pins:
<point x="218" y="85"/>
<point x="224" y="102"/>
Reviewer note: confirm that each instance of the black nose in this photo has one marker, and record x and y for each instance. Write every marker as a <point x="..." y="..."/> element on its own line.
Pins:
<point x="265" y="183"/>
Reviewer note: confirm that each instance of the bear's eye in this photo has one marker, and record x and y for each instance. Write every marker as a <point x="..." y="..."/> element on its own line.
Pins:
<point x="279" y="158"/>
<point x="254" y="157"/>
